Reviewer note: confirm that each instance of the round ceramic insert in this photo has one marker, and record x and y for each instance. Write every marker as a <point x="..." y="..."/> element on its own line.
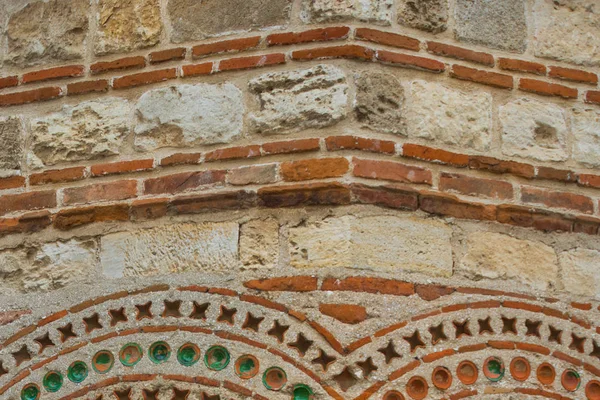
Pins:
<point x="159" y="352"/>
<point x="131" y="354"/>
<point x="246" y="366"/>
<point x="53" y="381"/>
<point x="77" y="372"/>
<point x="188" y="354"/>
<point x="30" y="392"/>
<point x="217" y="358"/>
<point x="274" y="378"/>
<point x="103" y="361"/>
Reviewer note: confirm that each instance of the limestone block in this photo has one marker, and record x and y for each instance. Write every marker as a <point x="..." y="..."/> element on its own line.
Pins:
<point x="87" y="131"/>
<point x="180" y="248"/>
<point x="195" y="20"/>
<point x="399" y="243"/>
<point x="188" y="115"/>
<point x="497" y="256"/>
<point x="585" y="124"/>
<point x="300" y="99"/>
<point x="496" y="24"/>
<point x="580" y="272"/>
<point x="374" y="11"/>
<point x="449" y="116"/>
<point x="534" y="130"/>
<point x="49" y="266"/>
<point x="567" y="30"/>
<point x="47" y="31"/>
<point x="259" y="243"/>
<point x="11" y="144"/>
<point x="379" y="100"/>
<point x="427" y="15"/>
<point x="125" y="25"/>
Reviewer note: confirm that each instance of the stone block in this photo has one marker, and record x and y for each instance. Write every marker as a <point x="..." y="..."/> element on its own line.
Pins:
<point x="450" y="116"/>
<point x="585" y="124"/>
<point x="426" y="15"/>
<point x="579" y="272"/>
<point x="294" y="100"/>
<point x="374" y="11"/>
<point x="188" y="115"/>
<point x="379" y="101"/>
<point x="532" y="129"/>
<point x="259" y="243"/>
<point x="11" y="144"/>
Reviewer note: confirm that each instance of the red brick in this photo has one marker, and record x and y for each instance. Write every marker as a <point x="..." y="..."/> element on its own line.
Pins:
<point x="550" y="222"/>
<point x="9" y="81"/>
<point x="144" y="78"/>
<point x="253" y="175"/>
<point x="357" y="344"/>
<point x="438" y="355"/>
<point x="12" y="182"/>
<point x="261" y="301"/>
<point x="408" y="61"/>
<point x="349" y="51"/>
<point x="84" y="87"/>
<point x="404" y="370"/>
<point x="450" y="206"/>
<point x="183" y="181"/>
<point x="565" y="357"/>
<point x="475" y="186"/>
<point x="320" y="168"/>
<point x="30" y="96"/>
<point x="501" y="344"/>
<point x="571" y="74"/>
<point x="392" y="171"/>
<point x="462" y="394"/>
<point x="225" y="46"/>
<point x="237" y="388"/>
<point x="435" y="155"/>
<point x="563" y="175"/>
<point x="587" y="225"/>
<point x="54" y="73"/>
<point x="388" y="39"/>
<point x="306" y="194"/>
<point x="460" y="53"/>
<point x="27" y="223"/>
<point x="27" y="201"/>
<point x="167" y="55"/>
<point x="111" y="191"/>
<point x="194" y="204"/>
<point x="181" y="158"/>
<point x="547" y="89"/>
<point x="386" y="196"/>
<point x="433" y="292"/>
<point x="291" y="146"/>
<point x="232" y="153"/>
<point x="472" y="347"/>
<point x="554" y="199"/>
<point x="335" y="143"/>
<point x="121" y="63"/>
<point x="346" y="313"/>
<point x="501" y="167"/>
<point x="510" y="64"/>
<point x="536" y="348"/>
<point x="369" y="285"/>
<point x="487" y="78"/>
<point x="589" y="180"/>
<point x="592" y="96"/>
<point x="284" y="284"/>
<point x="122" y="167"/>
<point x="148" y="209"/>
<point x="251" y="62"/>
<point x="313" y="35"/>
<point x="197" y="69"/>
<point x="73" y="218"/>
<point x="519" y="305"/>
<point x="57" y="175"/>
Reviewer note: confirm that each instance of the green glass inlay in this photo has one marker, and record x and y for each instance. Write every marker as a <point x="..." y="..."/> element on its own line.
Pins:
<point x="53" y="381"/>
<point x="159" y="352"/>
<point x="247" y="365"/>
<point x="274" y="378"/>
<point x="130" y="354"/>
<point x="103" y="361"/>
<point x="495" y="369"/>
<point x="30" y="392"/>
<point x="77" y="372"/>
<point x="188" y="354"/>
<point x="216" y="358"/>
<point x="302" y="392"/>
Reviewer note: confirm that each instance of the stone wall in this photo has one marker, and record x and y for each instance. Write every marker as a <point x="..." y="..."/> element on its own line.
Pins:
<point x="374" y="199"/>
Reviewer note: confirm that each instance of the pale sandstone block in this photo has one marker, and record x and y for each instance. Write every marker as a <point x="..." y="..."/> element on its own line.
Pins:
<point x="585" y="124"/>
<point x="11" y="144"/>
<point x="580" y="272"/>
<point x="426" y="15"/>
<point x="497" y="256"/>
<point x="188" y="115"/>
<point x="533" y="129"/>
<point x="374" y="11"/>
<point x="379" y="100"/>
<point x="180" y="248"/>
<point x="379" y="242"/>
<point x="259" y="243"/>
<point x="436" y="112"/>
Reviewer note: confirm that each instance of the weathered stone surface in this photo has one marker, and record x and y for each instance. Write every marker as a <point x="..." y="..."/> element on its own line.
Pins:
<point x="11" y="144"/>
<point x="497" y="256"/>
<point x="427" y="15"/>
<point x="47" y="31"/>
<point x="497" y="24"/>
<point x="585" y="124"/>
<point x="194" y="20"/>
<point x="295" y="100"/>
<point x="125" y="25"/>
<point x="449" y="116"/>
<point x="259" y="243"/>
<point x="188" y="115"/>
<point x="180" y="248"/>
<point x="87" y="131"/>
<point x="253" y="175"/>
<point x="567" y="30"/>
<point x="580" y="272"/>
<point x="49" y="266"/>
<point x="534" y="130"/>
<point x="377" y="242"/>
<point x="379" y="99"/>
<point x="375" y="11"/>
